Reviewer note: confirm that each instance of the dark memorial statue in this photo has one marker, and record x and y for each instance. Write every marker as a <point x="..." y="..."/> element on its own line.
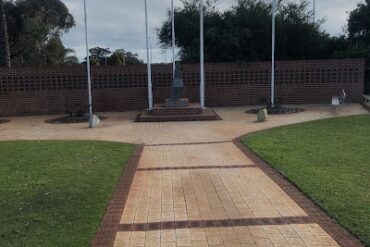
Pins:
<point x="177" y="90"/>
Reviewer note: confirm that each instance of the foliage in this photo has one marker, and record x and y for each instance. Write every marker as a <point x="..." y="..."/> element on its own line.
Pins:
<point x="99" y="56"/>
<point x="359" y="23"/>
<point x="329" y="160"/>
<point x="4" y="41"/>
<point x="54" y="193"/>
<point x="243" y="32"/>
<point x="359" y="36"/>
<point x="35" y="28"/>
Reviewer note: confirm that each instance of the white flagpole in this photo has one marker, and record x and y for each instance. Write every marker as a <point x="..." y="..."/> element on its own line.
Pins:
<point x="274" y="9"/>
<point x="314" y="11"/>
<point x="202" y="89"/>
<point x="88" y="70"/>
<point x="173" y="39"/>
<point x="150" y="92"/>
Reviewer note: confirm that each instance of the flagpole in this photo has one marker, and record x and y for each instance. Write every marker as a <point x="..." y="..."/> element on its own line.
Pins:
<point x="173" y="39"/>
<point x="202" y="89"/>
<point x="274" y="9"/>
<point x="150" y="92"/>
<point x="88" y="69"/>
<point x="314" y="11"/>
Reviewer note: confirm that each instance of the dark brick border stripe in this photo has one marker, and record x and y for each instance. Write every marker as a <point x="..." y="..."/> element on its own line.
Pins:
<point x="337" y="232"/>
<point x="187" y="143"/>
<point x="194" y="167"/>
<point x="109" y="225"/>
<point x="155" y="226"/>
<point x="4" y="121"/>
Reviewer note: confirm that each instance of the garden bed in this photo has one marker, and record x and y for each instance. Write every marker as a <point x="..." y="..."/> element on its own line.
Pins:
<point x="72" y="120"/>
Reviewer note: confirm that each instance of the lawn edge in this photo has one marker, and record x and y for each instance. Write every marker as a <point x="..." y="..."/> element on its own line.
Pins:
<point x="108" y="227"/>
<point x="341" y="235"/>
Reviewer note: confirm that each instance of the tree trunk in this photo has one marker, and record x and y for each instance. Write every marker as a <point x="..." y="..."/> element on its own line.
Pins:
<point x="4" y="43"/>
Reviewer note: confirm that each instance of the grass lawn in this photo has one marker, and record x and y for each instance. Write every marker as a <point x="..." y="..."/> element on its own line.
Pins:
<point x="54" y="193"/>
<point x="330" y="161"/>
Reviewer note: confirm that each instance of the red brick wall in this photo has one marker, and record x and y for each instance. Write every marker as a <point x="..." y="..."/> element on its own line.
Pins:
<point x="26" y="91"/>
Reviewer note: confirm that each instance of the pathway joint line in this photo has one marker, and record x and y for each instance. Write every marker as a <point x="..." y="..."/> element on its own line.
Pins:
<point x="187" y="143"/>
<point x="165" y="168"/>
<point x="337" y="232"/>
<point x="170" y="225"/>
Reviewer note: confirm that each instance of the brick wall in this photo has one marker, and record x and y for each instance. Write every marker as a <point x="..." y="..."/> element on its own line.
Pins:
<point x="46" y="90"/>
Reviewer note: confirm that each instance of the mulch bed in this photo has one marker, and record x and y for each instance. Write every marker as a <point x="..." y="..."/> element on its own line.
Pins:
<point x="277" y="110"/>
<point x="72" y="120"/>
<point x="2" y="121"/>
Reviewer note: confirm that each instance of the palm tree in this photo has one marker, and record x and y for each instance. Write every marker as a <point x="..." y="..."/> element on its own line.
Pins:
<point x="4" y="43"/>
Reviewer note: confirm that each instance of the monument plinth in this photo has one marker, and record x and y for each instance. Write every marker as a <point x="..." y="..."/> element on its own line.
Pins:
<point x="177" y="108"/>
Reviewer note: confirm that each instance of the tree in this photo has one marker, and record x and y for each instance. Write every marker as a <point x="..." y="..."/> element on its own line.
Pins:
<point x="119" y="57"/>
<point x="358" y="30"/>
<point x="4" y="43"/>
<point x="132" y="59"/>
<point x="100" y="55"/>
<point x="35" y="28"/>
<point x="243" y="32"/>
<point x="359" y="23"/>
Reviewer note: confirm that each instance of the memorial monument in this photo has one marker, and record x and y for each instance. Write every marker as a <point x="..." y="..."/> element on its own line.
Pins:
<point x="177" y="90"/>
<point x="177" y="107"/>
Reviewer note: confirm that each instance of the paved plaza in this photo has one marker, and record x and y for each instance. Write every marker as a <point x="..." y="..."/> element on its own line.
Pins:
<point x="192" y="184"/>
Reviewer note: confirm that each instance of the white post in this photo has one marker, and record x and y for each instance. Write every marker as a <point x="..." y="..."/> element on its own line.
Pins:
<point x="88" y="70"/>
<point x="274" y="9"/>
<point x="173" y="39"/>
<point x="150" y="92"/>
<point x="202" y="98"/>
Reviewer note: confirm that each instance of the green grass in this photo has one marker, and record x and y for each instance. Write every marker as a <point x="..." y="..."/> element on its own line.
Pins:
<point x="54" y="193"/>
<point x="330" y="161"/>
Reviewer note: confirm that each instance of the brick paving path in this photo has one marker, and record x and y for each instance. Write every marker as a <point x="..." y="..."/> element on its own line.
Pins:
<point x="212" y="195"/>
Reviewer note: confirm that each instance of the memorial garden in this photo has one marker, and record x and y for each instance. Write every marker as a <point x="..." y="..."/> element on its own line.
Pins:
<point x="256" y="134"/>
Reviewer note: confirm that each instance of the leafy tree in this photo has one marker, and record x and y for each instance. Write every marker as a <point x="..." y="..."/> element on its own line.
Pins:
<point x="132" y="59"/>
<point x="35" y="28"/>
<point x="4" y="43"/>
<point x="120" y="57"/>
<point x="359" y="23"/>
<point x="358" y="31"/>
<point x="99" y="55"/>
<point x="243" y="32"/>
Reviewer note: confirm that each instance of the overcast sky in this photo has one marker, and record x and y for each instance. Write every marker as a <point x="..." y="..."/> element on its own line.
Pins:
<point x="121" y="23"/>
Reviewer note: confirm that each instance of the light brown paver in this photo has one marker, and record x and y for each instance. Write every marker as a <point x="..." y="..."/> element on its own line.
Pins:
<point x="287" y="235"/>
<point x="193" y="186"/>
<point x="210" y="194"/>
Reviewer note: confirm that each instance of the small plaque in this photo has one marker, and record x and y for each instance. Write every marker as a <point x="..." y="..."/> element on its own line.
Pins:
<point x="178" y="83"/>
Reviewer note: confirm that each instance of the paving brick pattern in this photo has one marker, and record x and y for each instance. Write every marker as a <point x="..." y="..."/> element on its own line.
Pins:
<point x="225" y="205"/>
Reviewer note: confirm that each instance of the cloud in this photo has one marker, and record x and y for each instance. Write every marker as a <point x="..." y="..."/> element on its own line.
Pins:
<point x="121" y="23"/>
